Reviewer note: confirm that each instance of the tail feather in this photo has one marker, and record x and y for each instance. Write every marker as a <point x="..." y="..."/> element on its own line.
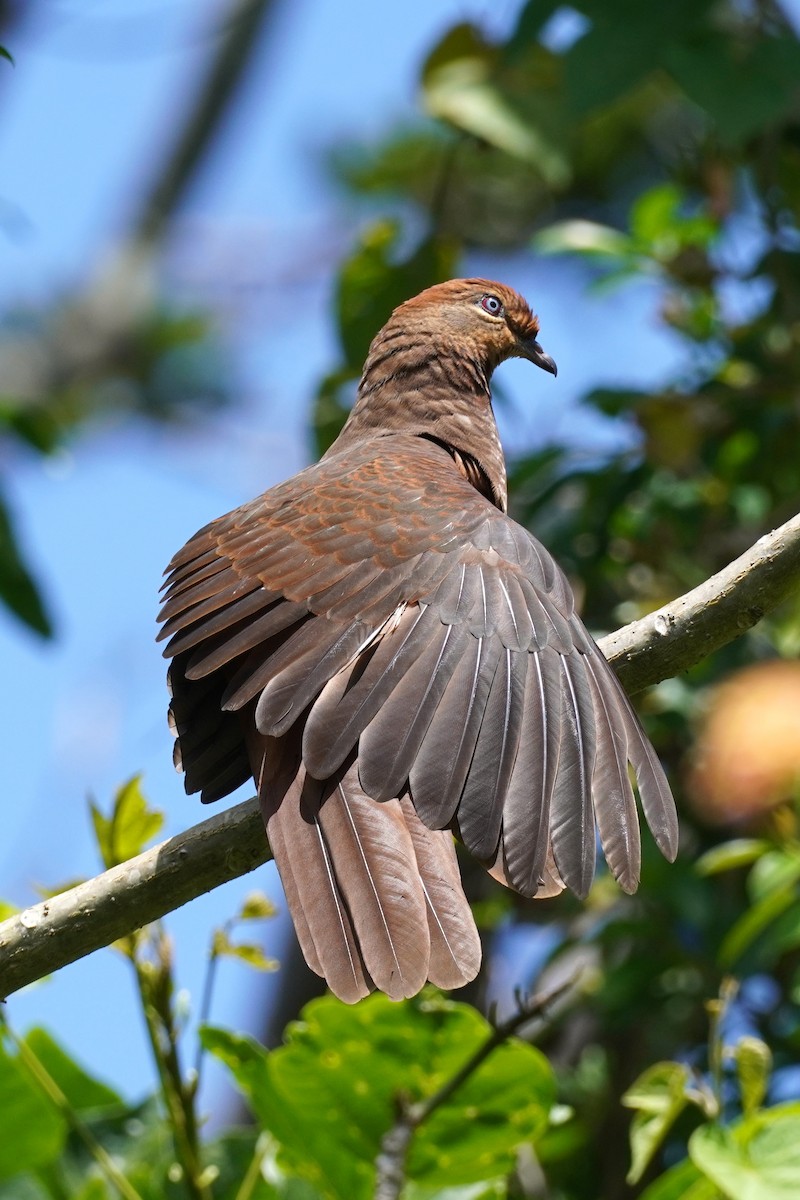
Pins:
<point x="375" y="896"/>
<point x="455" y="945"/>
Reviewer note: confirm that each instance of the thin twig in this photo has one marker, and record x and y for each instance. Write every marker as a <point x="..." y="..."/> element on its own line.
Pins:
<point x="390" y="1164"/>
<point x="154" y="981"/>
<point x="60" y="930"/>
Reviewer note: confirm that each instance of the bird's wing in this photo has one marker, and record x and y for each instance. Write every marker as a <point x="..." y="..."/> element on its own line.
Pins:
<point x="379" y="600"/>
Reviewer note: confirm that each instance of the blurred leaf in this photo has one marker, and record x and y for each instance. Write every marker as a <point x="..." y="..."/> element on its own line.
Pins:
<point x="741" y="87"/>
<point x="659" y="1097"/>
<point x="753" y="1060"/>
<point x="18" y="589"/>
<point x="33" y="1132"/>
<point x="256" y="907"/>
<point x="757" y="1159"/>
<point x="246" y="952"/>
<point x="582" y="237"/>
<point x="683" y="1182"/>
<point x="458" y="87"/>
<point x="25" y="1187"/>
<point x="752" y="923"/>
<point x="328" y="1096"/>
<point x="741" y="852"/>
<point x="372" y="283"/>
<point x="131" y="825"/>
<point x="779" y="868"/>
<point x="7" y="910"/>
<point x="232" y="1154"/>
<point x="5" y="54"/>
<point x="84" y="1093"/>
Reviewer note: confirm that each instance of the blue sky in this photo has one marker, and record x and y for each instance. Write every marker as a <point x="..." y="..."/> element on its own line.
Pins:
<point x="85" y="113"/>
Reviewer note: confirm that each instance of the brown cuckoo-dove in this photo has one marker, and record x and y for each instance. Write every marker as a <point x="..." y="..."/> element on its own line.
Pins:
<point x="394" y="660"/>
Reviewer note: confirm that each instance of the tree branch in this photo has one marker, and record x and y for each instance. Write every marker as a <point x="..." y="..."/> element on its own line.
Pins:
<point x="237" y="40"/>
<point x="58" y="931"/>
<point x="688" y="629"/>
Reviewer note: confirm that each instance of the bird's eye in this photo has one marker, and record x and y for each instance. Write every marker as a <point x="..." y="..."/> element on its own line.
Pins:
<point x="491" y="305"/>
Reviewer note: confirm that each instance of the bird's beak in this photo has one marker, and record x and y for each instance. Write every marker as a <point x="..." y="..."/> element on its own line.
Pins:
<point x="529" y="348"/>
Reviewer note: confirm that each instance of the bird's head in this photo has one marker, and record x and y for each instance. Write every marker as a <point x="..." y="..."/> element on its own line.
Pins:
<point x="487" y="321"/>
<point x="428" y="371"/>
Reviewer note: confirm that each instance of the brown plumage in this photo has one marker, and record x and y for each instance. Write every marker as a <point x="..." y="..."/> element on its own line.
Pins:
<point x="391" y="657"/>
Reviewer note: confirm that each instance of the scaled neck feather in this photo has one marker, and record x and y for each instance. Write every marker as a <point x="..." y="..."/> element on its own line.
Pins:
<point x="415" y="386"/>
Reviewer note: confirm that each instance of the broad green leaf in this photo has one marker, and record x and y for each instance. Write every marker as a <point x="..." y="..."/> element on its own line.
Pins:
<point x="132" y="824"/>
<point x="85" y="1094"/>
<point x="682" y="1182"/>
<point x="659" y="1097"/>
<point x="459" y="87"/>
<point x="753" y="1060"/>
<point x="653" y="215"/>
<point x="752" y="924"/>
<point x="18" y="589"/>
<point x="33" y="1131"/>
<point x="373" y="281"/>
<point x="94" y="1189"/>
<point x="742" y="90"/>
<point x="741" y="852"/>
<point x="24" y="1187"/>
<point x="582" y="237"/>
<point x="329" y="1095"/>
<point x="777" y="869"/>
<point x="140" y="1142"/>
<point x="330" y="412"/>
<point x="758" y="1159"/>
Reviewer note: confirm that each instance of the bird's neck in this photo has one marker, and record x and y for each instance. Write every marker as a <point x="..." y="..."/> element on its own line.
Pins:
<point x="441" y="396"/>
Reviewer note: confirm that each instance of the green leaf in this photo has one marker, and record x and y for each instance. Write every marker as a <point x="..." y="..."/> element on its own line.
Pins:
<point x="233" y="1157"/>
<point x="583" y="237"/>
<point x="18" y="589"/>
<point x="24" y="1187"/>
<point x="256" y="907"/>
<point x="741" y="852"/>
<point x="247" y="952"/>
<point x="659" y="1095"/>
<point x="743" y="87"/>
<point x="85" y="1094"/>
<point x="682" y="1182"/>
<point x="758" y="1159"/>
<point x="329" y="1094"/>
<point x="7" y="910"/>
<point x="371" y="284"/>
<point x="775" y="870"/>
<point x="5" y="54"/>
<point x="458" y="87"/>
<point x="753" y="1060"/>
<point x="752" y="924"/>
<point x="132" y="824"/>
<point x="33" y="1131"/>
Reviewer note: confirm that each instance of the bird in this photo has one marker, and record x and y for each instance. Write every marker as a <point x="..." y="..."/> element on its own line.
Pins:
<point x="398" y="665"/>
